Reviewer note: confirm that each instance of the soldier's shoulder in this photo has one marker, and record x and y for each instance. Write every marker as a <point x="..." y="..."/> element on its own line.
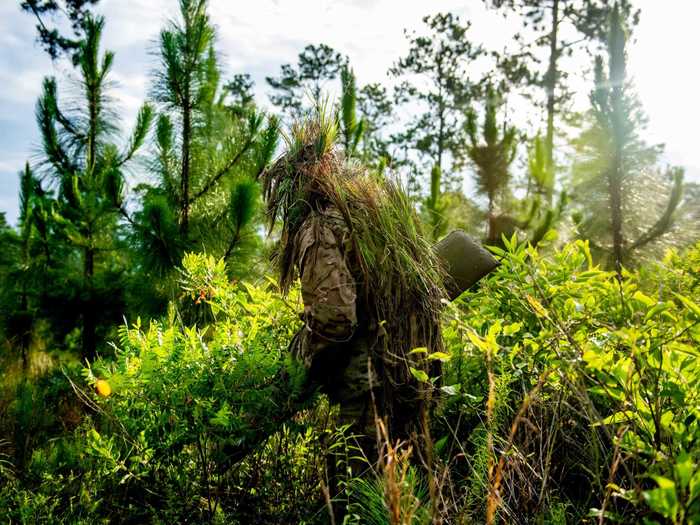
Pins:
<point x="332" y="217"/>
<point x="327" y="226"/>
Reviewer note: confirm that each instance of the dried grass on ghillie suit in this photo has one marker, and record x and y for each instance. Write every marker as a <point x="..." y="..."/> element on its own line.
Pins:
<point x="401" y="278"/>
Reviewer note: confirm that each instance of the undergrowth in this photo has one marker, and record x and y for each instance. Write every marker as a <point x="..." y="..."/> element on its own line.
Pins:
<point x="567" y="396"/>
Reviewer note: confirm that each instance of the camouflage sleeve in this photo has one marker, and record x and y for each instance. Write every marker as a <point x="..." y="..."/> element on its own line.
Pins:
<point x="327" y="289"/>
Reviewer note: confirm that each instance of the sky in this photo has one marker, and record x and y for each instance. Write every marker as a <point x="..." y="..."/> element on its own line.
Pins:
<point x="257" y="37"/>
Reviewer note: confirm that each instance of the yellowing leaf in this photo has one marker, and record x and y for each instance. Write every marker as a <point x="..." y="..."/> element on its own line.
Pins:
<point x="477" y="341"/>
<point x="551" y="235"/>
<point x="618" y="417"/>
<point x="439" y="356"/>
<point x="536" y="306"/>
<point x="664" y="483"/>
<point x="103" y="388"/>
<point x="512" y="328"/>
<point x="643" y="298"/>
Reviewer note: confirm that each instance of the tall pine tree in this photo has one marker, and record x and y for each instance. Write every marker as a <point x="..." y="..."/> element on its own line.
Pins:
<point x="439" y="84"/>
<point x="84" y="161"/>
<point x="560" y="27"/>
<point x="491" y="159"/>
<point x="211" y="142"/>
<point x="617" y="181"/>
<point x="298" y="89"/>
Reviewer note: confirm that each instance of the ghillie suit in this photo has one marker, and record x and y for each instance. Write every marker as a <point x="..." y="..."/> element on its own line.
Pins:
<point x="371" y="284"/>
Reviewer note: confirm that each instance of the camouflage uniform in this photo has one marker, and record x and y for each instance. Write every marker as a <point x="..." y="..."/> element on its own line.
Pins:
<point x="334" y="341"/>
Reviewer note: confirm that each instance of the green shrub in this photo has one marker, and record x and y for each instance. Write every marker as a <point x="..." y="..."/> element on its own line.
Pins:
<point x="566" y="395"/>
<point x="189" y="402"/>
<point x="613" y="425"/>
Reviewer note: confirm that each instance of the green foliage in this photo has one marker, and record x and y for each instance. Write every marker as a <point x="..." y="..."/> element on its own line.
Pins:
<point x="52" y="40"/>
<point x="78" y="227"/>
<point x="351" y="128"/>
<point x="370" y="501"/>
<point x="540" y="170"/>
<point x="627" y="202"/>
<point x="606" y="373"/>
<point x="437" y="64"/>
<point x="491" y="158"/>
<point x="210" y="143"/>
<point x="187" y="404"/>
<point x="376" y="108"/>
<point x="564" y="27"/>
<point x="435" y="206"/>
<point x="560" y="392"/>
<point x="619" y="395"/>
<point x="298" y="89"/>
<point x="203" y="397"/>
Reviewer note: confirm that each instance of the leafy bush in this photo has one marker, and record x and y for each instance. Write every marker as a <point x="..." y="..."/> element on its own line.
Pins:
<point x="590" y="387"/>
<point x="567" y="395"/>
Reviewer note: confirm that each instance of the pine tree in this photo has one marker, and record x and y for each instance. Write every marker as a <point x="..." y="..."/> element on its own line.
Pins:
<point x="562" y="26"/>
<point x="540" y="171"/>
<point x="25" y="265"/>
<point x="84" y="163"/>
<point x="351" y="128"/>
<point x="211" y="142"/>
<point x="297" y="89"/>
<point x="542" y="214"/>
<point x="53" y="42"/>
<point x="239" y="90"/>
<point x="8" y="259"/>
<point x="23" y="314"/>
<point x="439" y="60"/>
<point x="491" y="158"/>
<point x="180" y="89"/>
<point x="376" y="108"/>
<point x="434" y="206"/>
<point x="616" y="169"/>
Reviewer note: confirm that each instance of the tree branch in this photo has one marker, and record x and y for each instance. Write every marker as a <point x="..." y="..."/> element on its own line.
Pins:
<point x="230" y="164"/>
<point x="665" y="221"/>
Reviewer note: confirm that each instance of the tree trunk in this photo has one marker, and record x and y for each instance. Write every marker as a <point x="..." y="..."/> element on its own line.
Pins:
<point x="441" y="139"/>
<point x="185" y="179"/>
<point x="89" y="314"/>
<point x="93" y="110"/>
<point x="618" y="120"/>
<point x="615" y="190"/>
<point x="491" y="220"/>
<point x="25" y="329"/>
<point x="441" y="123"/>
<point x="550" y="86"/>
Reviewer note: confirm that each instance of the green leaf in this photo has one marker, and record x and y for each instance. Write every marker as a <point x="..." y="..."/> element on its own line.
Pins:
<point x="512" y="328"/>
<point x="439" y="356"/>
<point x="617" y="417"/>
<point x="684" y="469"/>
<point x="477" y="341"/>
<point x="551" y="235"/>
<point x="222" y="416"/>
<point x="420" y="375"/>
<point x="663" y="499"/>
<point x="643" y="298"/>
<point x="656" y="310"/>
<point x="694" y="308"/>
<point x="451" y="390"/>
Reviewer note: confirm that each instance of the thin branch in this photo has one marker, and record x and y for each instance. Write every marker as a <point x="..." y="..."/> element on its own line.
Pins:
<point x="223" y="171"/>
